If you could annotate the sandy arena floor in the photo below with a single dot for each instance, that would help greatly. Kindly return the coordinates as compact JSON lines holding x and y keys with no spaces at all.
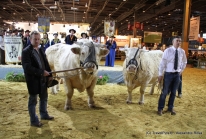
{"x":113,"y":118}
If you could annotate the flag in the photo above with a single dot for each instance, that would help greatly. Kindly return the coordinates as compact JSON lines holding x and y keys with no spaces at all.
{"x":43,"y":24}
{"x":109,"y":28}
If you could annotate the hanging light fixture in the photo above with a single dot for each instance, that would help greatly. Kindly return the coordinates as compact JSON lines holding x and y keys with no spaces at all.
{"x":55,"y":3}
{"x":23,"y":1}
{"x":86,"y":5}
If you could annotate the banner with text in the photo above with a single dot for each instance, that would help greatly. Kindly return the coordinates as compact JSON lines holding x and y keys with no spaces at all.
{"x":194,"y":28}
{"x":43,"y":24}
{"x":109,"y":28}
{"x":152,"y":37}
{"x":13,"y":49}
{"x":122,"y":40}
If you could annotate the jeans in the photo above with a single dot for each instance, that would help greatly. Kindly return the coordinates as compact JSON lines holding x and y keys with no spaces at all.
{"x":179,"y":90}
{"x":171,"y":81}
{"x":42,"y":106}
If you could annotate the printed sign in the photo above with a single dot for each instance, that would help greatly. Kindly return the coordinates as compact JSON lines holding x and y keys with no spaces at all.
{"x":13,"y":49}
{"x":152,"y":37}
{"x":194,"y":28}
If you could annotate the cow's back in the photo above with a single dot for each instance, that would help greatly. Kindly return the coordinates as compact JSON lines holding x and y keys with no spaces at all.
{"x":149,"y":65}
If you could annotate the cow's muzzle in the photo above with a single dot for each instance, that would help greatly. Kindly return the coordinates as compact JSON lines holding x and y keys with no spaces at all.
{"x":90,"y":67}
{"x":131,"y":68}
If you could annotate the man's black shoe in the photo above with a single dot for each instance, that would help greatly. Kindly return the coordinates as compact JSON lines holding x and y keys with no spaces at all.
{"x":48,"y":118}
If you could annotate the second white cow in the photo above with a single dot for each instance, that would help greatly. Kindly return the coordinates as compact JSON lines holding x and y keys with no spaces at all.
{"x":140,"y":68}
{"x":87,"y":55}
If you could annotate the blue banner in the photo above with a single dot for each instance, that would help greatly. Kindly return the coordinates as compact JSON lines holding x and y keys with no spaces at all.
{"x":43,"y":24}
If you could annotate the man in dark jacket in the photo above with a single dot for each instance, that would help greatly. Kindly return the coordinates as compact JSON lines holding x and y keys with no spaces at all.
{"x":36,"y":70}
{"x":26,"y":40}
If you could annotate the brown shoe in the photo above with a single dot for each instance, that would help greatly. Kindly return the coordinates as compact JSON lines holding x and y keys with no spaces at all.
{"x":172,"y":112}
{"x":159,"y":112}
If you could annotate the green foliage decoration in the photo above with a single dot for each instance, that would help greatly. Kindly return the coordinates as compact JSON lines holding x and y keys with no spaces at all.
{"x":15,"y":77}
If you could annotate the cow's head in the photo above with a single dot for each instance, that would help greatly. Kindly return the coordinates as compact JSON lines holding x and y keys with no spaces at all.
{"x":132,"y":58}
{"x":90,"y":55}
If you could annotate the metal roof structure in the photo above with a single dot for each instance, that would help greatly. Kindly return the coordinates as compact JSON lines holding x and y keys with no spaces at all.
{"x":164,"y":16}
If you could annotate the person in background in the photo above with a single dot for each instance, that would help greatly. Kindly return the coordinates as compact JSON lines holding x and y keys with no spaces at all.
{"x":172,"y":65}
{"x":15,"y":32}
{"x":45,"y":43}
{"x":21,"y":33}
{"x":26,"y":40}
{"x":9,"y":33}
{"x":84,"y":36}
{"x":2,"y":40}
{"x":55,"y":40}
{"x":70,"y":39}
{"x":110,"y":58}
{"x":94,"y":39}
{"x":36,"y":71}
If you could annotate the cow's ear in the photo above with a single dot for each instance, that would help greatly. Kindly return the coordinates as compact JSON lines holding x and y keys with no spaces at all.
{"x":75,"y":50}
{"x":104,"y":52}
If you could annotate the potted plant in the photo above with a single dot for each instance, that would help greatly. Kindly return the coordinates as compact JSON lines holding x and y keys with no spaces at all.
{"x":102,"y":79}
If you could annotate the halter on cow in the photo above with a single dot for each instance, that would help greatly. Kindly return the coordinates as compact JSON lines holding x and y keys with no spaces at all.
{"x":133,"y":60}
{"x":91,"y":58}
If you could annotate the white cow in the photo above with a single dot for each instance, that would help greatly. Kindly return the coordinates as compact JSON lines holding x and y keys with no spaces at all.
{"x":140,"y":68}
{"x":63,"y":57}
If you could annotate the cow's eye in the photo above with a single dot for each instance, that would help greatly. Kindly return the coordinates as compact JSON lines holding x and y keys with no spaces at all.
{"x":83,"y":53}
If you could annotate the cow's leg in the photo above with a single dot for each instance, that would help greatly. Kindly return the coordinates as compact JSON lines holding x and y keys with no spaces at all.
{"x":129,"y":98}
{"x":142,"y":90}
{"x":90,"y":92}
{"x":69,"y":92}
{"x":152,"y":89}
{"x":60,"y":80}
{"x":54,"y":89}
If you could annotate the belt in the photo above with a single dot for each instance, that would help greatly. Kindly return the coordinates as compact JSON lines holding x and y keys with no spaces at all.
{"x":172,"y":72}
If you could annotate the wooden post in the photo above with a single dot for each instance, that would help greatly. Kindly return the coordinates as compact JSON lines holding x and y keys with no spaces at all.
{"x":116,"y":30}
{"x":185,"y":26}
{"x":134,"y":29}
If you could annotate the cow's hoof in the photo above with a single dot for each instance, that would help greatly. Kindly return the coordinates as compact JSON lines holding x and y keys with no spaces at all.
{"x":141,"y":103}
{"x":92,"y":106}
{"x":129,"y":102}
{"x":68,"y":108}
